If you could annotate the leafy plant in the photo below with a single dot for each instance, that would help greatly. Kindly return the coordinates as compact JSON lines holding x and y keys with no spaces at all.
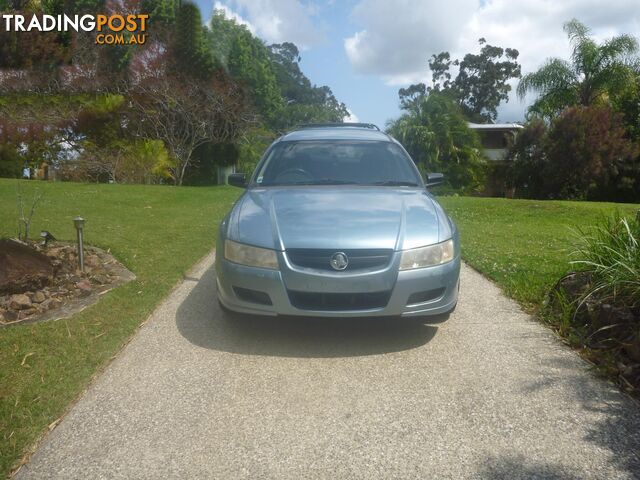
{"x":610,"y":252}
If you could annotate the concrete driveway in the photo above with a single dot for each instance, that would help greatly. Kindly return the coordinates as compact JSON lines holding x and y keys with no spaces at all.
{"x":489,"y":393}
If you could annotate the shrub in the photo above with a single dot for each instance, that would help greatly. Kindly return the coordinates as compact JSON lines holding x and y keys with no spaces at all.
{"x":584,"y":154}
{"x":10,"y":162}
{"x":598,"y":307}
{"x":610,"y":252}
{"x":528,"y":160}
{"x":587,"y":154}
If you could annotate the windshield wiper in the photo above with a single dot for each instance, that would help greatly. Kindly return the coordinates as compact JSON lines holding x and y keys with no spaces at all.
{"x":396,"y":183}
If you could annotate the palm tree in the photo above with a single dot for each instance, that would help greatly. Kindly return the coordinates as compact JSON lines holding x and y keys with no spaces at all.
{"x":595,"y":73}
{"x":436,"y":134}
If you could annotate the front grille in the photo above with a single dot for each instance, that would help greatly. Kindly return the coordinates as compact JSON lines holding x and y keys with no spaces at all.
{"x":359,"y":259}
{"x":338,"y":301}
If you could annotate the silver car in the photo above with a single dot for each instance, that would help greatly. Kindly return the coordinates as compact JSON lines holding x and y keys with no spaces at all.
{"x":337,"y":222}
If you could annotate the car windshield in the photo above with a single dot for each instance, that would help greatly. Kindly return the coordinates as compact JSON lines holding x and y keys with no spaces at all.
{"x":337,"y":163}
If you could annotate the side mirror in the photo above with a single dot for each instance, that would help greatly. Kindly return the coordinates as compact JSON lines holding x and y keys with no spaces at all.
{"x":434,"y":179}
{"x":237,"y":180}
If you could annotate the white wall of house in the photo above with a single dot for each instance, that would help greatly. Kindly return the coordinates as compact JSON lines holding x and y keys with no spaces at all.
{"x":494,"y":138}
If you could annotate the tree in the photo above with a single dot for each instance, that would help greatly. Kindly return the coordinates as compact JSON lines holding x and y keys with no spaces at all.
{"x":305,"y":102}
{"x":191,"y":53}
{"x":527,"y":160}
{"x":583,"y":154}
{"x":437,"y":136}
{"x":10,"y":161}
{"x":589,"y":156}
{"x":628,"y":104}
{"x":186,"y":113}
{"x":481,"y":84}
{"x":246,"y":59}
{"x":411,"y":95}
{"x":596,"y":73}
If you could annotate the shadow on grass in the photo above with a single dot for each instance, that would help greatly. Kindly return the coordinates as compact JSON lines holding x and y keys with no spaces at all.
{"x":201,"y":321}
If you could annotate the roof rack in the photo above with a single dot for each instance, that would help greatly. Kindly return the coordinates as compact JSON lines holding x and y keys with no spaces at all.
{"x":370,"y":126}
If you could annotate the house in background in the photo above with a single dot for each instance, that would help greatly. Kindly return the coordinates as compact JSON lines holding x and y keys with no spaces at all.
{"x":224,"y":171}
{"x":496,"y":138}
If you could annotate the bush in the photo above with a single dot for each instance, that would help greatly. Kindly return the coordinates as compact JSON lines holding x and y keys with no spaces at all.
{"x":584,"y":154}
{"x":588,"y":153}
{"x":611,"y":255}
{"x":598,"y":307}
{"x":528,"y":160}
{"x":10,"y":162}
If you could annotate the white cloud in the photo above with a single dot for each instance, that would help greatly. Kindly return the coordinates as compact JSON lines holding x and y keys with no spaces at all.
{"x":396,"y":39}
{"x":351,"y":117}
{"x":278,"y":20}
{"x":399,"y":36}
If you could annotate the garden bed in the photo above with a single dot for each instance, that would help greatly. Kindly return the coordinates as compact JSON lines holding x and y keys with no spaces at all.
{"x":39,"y":283}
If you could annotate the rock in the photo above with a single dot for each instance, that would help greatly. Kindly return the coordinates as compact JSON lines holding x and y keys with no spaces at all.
{"x":38,"y":297}
{"x":19,"y":301}
{"x":92,"y":261}
{"x":574,"y":284}
{"x":85,"y":288}
{"x":100,"y":279}
{"x":8,"y":316}
{"x":54,"y":252}
{"x":633,"y":348}
{"x":50,"y":304}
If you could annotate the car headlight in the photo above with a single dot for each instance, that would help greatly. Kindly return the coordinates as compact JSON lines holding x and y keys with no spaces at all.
{"x":427,"y":256}
{"x":251,"y":256}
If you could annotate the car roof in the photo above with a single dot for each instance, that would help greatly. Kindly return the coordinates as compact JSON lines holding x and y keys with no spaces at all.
{"x":343,"y":132}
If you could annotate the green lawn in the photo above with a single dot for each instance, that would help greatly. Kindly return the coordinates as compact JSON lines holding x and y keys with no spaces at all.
{"x":523,"y":245}
{"x":158,"y":232}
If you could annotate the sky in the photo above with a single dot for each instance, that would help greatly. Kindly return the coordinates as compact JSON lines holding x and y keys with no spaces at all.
{"x":365,"y":50}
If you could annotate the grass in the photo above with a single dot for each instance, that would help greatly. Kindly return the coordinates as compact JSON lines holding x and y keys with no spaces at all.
{"x":158,"y":232}
{"x":524,"y":245}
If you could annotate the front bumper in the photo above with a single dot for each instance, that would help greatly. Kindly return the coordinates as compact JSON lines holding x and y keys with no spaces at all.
{"x":278,"y":285}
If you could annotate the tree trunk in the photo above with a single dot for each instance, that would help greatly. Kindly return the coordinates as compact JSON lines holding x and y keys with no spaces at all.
{"x":183,"y":168}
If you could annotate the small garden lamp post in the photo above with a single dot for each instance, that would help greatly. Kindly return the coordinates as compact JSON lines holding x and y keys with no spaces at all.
{"x":79,"y":224}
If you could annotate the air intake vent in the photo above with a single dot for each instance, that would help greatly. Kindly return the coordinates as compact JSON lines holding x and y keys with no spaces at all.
{"x":253,"y":296}
{"x":338,"y":301}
